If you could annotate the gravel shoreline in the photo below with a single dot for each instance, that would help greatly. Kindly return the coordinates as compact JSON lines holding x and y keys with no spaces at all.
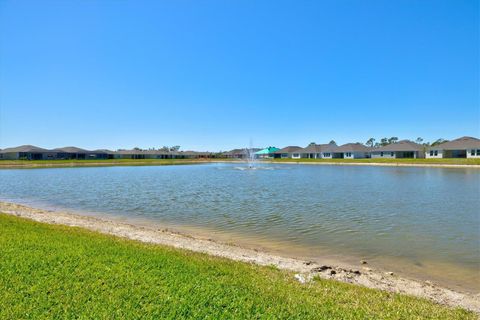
{"x":306,"y":270}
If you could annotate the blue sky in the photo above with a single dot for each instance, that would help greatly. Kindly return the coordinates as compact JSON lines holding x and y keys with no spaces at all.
{"x":211,"y":75}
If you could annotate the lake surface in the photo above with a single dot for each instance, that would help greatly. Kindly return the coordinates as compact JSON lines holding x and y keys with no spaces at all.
{"x":423,"y":222}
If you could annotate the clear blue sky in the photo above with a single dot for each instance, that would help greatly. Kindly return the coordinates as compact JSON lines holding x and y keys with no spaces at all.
{"x":211,"y":75}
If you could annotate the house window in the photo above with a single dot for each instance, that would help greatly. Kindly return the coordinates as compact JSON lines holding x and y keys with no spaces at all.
{"x":348,"y":154}
{"x":478,"y":152}
{"x":392,"y":154}
{"x":326,"y":155}
{"x":431,"y":153}
{"x":436,"y":152}
{"x":472,"y":152}
{"x":381,"y":154}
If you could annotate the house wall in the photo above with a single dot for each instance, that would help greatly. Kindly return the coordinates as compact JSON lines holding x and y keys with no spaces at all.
{"x":354,"y":155}
{"x":473,"y":153}
{"x":10,"y":156}
{"x":385,"y":154}
{"x":308,"y":155}
{"x":436,"y":154}
{"x":49,"y":155}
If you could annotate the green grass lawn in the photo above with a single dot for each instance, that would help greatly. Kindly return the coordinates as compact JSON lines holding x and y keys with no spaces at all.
{"x":49,"y":271}
{"x":96,"y":163}
{"x":159,"y":162}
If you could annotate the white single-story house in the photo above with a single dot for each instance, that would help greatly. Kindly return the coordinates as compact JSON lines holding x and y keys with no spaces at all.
{"x":353,"y":151}
{"x":329,"y":151}
{"x":399,"y":150}
{"x":286,"y":152}
{"x":315,"y":151}
{"x":464,"y":147}
{"x":312,"y":151}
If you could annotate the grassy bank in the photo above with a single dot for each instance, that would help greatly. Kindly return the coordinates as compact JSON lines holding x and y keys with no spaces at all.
{"x":49,"y":271}
{"x":95,"y":163}
{"x":161,"y":162}
{"x":457,"y":161}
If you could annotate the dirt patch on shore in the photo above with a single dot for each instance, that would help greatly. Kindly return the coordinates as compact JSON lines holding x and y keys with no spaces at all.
{"x":306,"y":270}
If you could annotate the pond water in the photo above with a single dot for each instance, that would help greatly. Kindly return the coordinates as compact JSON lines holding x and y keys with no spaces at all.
{"x":423,"y":222}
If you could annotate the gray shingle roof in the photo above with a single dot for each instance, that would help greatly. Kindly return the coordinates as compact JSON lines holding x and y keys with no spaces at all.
{"x":317,"y":148}
{"x":288,"y":149}
{"x":403,"y":145}
{"x":353,"y":147}
{"x":25,"y":148}
{"x":458,"y":144}
{"x":71,"y":150}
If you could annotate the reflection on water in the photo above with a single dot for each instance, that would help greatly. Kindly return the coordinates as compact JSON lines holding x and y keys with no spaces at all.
{"x":421,"y":216}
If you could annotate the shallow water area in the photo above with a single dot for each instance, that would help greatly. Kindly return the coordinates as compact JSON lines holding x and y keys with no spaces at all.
{"x":421,"y":222}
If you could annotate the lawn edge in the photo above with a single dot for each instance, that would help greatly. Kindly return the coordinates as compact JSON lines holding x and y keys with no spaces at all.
{"x":375,"y":279}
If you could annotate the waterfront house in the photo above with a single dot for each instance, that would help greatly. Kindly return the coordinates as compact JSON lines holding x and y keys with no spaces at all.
{"x":399,"y":150}
{"x":286,"y":152}
{"x":236,"y":154}
{"x":353,"y":151}
{"x":70,"y":153}
{"x":312,"y":151}
{"x":266,"y":153}
{"x":27,"y":152}
{"x":330,"y":151}
{"x":315,"y":151}
{"x":143,"y":154}
{"x":464,"y":147}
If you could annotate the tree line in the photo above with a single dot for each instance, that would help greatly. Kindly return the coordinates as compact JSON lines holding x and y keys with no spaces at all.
{"x":164,"y":148}
{"x":386,"y":141}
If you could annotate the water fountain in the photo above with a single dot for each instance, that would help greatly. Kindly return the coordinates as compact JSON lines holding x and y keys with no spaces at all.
{"x":250,"y":157}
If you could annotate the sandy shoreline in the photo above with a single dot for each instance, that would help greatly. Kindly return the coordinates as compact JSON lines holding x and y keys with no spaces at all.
{"x":365,"y":276}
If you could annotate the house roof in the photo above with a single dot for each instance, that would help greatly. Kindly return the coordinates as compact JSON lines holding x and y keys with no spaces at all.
{"x":132,"y":152}
{"x":458,"y":144}
{"x":194,"y":153}
{"x":317,"y":148}
{"x":353,"y":147}
{"x":267,"y":150}
{"x":289,"y":149}
{"x":103,"y":151}
{"x":25,"y":148}
{"x":71,"y":150}
{"x":403,"y":145}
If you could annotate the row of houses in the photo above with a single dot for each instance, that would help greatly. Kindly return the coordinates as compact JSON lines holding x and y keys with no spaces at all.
{"x":28,"y":152}
{"x":464,"y":147}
